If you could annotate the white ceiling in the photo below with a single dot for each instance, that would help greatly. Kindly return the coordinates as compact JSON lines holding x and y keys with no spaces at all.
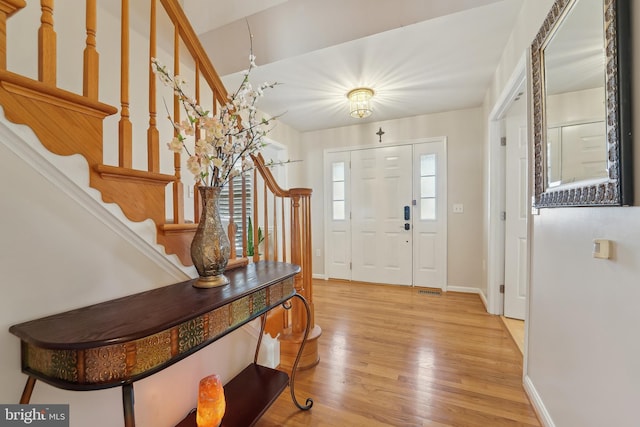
{"x":575,"y":57}
{"x":420,"y":56}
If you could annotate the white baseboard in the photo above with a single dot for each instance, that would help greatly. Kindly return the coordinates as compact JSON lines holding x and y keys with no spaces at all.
{"x":319,"y":276}
{"x":464,"y":289}
{"x":538,"y":405}
{"x":484,"y":300}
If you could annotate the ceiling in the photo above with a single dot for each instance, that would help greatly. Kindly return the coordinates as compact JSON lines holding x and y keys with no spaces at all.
{"x":574,"y":58}
{"x":419,"y":56}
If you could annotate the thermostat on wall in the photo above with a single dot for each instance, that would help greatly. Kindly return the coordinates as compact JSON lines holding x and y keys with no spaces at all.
{"x":601,"y":248}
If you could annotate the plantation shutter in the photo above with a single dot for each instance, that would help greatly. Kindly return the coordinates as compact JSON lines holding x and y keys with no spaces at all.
{"x":237,"y":209}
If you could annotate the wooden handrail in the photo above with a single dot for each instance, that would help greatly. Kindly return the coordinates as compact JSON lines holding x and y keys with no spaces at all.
{"x":195,"y":48}
{"x":266,"y":174}
{"x":70,"y":123}
{"x":290,"y":326}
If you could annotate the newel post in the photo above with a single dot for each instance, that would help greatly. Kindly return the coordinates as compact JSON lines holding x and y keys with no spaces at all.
{"x":298,"y":321}
{"x":291,"y":339}
{"x":301,"y":249}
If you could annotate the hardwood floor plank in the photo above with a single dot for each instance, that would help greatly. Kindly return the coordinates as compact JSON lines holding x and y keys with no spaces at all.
{"x":391,"y":356}
{"x":516,"y":329}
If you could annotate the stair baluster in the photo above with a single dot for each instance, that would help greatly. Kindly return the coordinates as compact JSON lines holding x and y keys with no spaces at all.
{"x":69,"y":123}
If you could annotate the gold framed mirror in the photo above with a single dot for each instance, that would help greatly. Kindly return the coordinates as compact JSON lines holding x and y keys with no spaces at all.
{"x":581,"y":104}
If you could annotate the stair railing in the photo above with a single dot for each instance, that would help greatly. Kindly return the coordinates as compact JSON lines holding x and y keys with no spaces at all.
{"x":285,"y":217}
{"x":70,"y":123}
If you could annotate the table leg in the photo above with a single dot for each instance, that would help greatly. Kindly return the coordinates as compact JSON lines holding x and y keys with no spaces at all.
{"x":263,"y":322}
{"x":127,"y":405}
{"x":309,"y":402}
{"x":28,"y":389}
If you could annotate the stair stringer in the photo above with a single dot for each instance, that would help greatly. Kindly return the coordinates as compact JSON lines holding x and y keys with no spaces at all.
{"x":71,"y":175}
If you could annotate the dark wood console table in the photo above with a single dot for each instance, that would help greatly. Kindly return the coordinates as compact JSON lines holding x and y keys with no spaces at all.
{"x":118,"y":342}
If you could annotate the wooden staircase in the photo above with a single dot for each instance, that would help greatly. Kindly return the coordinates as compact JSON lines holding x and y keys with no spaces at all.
{"x":69,"y":123}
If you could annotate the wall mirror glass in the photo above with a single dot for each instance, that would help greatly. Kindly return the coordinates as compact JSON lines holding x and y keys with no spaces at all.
{"x":582,"y":105}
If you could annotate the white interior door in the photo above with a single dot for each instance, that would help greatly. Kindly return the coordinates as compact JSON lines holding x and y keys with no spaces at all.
{"x":430,"y":215}
{"x":381,"y":246}
{"x":516,"y":257}
{"x":338,"y":208}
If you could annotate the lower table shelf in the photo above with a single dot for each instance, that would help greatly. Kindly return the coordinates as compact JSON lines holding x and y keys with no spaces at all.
{"x":248,"y":396}
{"x":121,"y":341}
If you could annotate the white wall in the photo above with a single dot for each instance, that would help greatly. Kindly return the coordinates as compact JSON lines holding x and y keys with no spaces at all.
{"x":57,"y":255}
{"x":583,"y":316}
{"x":528,"y":22}
{"x":464,"y":142}
{"x":575,"y":107}
{"x":464,"y":133}
{"x":582,"y":347}
{"x":70,"y":29}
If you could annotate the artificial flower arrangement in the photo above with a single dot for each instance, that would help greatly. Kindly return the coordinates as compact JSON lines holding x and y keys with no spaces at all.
{"x":228,"y":138}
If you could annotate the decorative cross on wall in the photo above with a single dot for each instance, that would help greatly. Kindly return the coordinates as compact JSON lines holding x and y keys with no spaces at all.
{"x":380,"y":133}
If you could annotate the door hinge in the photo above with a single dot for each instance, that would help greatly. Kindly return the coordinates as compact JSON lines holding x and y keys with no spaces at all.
{"x":350,"y":266}
{"x":502,"y":289}
{"x":503,"y":216}
{"x":503,"y":141}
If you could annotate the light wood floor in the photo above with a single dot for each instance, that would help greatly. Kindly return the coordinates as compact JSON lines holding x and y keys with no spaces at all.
{"x":516,"y":329}
{"x":392,"y":356}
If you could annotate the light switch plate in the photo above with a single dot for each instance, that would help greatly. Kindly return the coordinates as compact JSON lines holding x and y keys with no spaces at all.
{"x":458,"y":208}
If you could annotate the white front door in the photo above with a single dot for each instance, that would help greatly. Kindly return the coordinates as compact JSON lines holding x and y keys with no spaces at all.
{"x":386,"y":211}
{"x":516,"y":257}
{"x":381,"y":245}
{"x":430,"y":215}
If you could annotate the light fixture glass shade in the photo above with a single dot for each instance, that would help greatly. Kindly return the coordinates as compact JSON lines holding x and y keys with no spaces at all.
{"x":359,"y":102}
{"x":211,"y":403}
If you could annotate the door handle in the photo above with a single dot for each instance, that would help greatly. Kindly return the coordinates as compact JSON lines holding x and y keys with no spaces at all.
{"x":407,"y":226}
{"x":407,"y":214}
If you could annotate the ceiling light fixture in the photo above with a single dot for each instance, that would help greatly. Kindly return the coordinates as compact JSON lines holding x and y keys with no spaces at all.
{"x":359,"y":102}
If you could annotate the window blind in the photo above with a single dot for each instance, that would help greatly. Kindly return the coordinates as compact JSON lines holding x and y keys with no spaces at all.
{"x":237,"y":208}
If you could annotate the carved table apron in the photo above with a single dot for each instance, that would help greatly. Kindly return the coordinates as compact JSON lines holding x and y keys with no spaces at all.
{"x":118,"y":342}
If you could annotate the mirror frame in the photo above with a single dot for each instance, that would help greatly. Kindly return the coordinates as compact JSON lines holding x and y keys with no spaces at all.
{"x":617,"y":189}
